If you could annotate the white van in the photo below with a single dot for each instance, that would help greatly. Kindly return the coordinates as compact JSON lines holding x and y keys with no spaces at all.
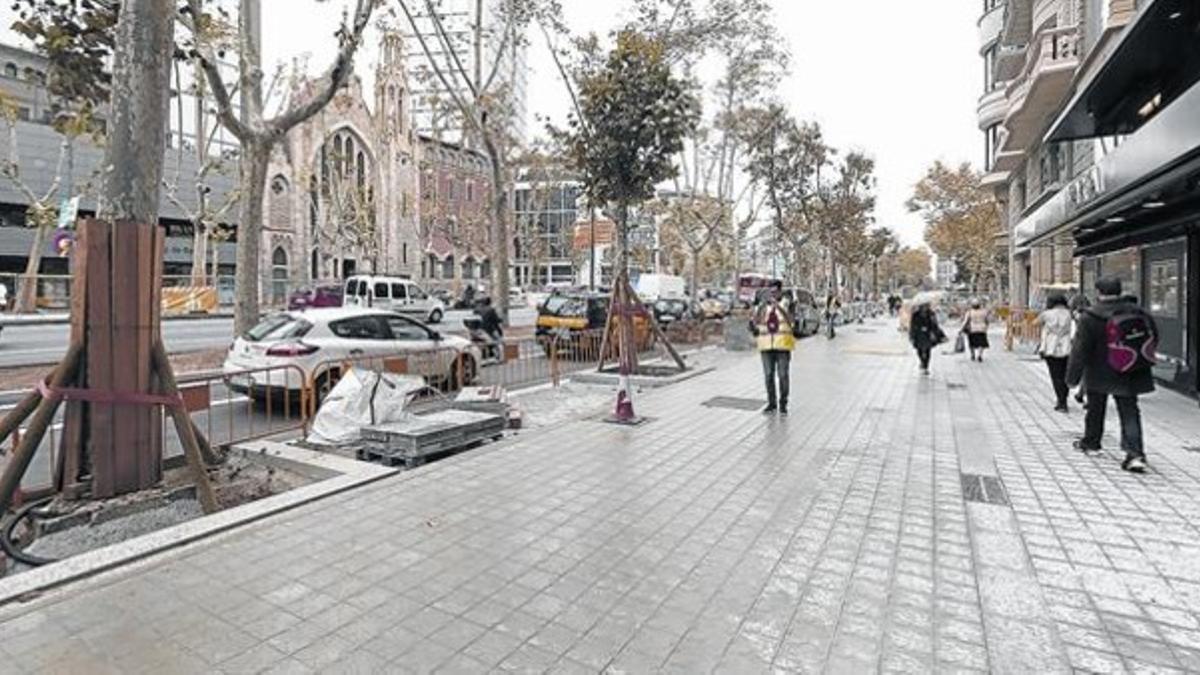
{"x":393,"y":293}
{"x":652,"y":287}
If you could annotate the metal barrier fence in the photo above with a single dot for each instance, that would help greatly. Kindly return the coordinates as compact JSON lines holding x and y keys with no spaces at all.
{"x":1021,"y":329}
{"x":226,"y":408}
{"x":233,"y":407}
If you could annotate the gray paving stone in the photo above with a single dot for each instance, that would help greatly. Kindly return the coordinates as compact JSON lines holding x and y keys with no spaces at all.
{"x":836,"y":541}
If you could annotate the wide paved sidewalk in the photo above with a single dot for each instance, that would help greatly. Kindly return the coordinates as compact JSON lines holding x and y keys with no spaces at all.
{"x":709,"y":539}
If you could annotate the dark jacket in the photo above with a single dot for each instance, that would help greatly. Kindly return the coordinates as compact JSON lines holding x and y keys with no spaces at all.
{"x":1089,"y":355}
{"x":489,"y":321}
{"x":923,"y":330}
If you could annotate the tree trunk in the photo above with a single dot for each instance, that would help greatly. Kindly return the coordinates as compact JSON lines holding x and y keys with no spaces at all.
{"x":216,"y":267}
{"x":120,"y":321}
{"x":26,"y":300}
{"x":199,"y":253}
{"x":499,"y":227}
{"x":249,"y":234}
{"x":695,"y":276}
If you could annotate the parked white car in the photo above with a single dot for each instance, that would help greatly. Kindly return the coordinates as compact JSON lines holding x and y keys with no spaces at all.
{"x":307,"y":339}
{"x":393,"y":293}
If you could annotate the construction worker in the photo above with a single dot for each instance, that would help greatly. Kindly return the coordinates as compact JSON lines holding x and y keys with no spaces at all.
{"x":775,"y":331}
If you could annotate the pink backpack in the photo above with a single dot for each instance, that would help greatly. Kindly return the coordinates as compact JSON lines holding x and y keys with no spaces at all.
{"x":1131,"y":341}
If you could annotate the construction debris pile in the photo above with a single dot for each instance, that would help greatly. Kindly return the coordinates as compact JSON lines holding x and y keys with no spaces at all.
{"x":397,"y":419}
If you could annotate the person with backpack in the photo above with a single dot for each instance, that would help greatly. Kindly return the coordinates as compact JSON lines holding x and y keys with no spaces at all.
{"x":775,"y":331}
{"x":1113,"y":352}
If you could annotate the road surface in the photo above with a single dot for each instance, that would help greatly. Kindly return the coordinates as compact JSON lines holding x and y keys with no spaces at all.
{"x":46,"y":344}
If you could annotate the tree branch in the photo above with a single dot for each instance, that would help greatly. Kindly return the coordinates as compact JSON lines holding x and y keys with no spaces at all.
{"x":333,"y":79}
{"x":508,"y":36}
{"x":444,"y":39}
{"x":468,"y":111}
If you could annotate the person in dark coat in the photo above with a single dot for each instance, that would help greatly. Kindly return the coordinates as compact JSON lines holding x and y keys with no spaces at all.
{"x":1089,"y":363}
{"x":924,"y":333}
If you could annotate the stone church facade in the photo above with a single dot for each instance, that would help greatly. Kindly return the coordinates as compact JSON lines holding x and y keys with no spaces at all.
{"x":342,"y":187}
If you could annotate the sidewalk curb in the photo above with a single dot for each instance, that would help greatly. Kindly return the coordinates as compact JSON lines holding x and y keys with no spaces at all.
{"x":345,"y":475}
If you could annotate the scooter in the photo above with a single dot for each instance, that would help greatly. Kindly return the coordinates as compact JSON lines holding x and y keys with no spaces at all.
{"x":490,"y":349}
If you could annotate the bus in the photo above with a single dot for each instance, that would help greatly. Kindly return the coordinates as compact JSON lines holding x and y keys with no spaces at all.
{"x":750,"y":284}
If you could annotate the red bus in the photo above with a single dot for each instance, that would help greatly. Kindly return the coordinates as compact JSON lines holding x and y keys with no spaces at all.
{"x":749,"y":285}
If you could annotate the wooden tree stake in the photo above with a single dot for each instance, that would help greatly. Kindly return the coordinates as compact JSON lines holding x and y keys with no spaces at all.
{"x":15,"y":470}
{"x":186,"y":430}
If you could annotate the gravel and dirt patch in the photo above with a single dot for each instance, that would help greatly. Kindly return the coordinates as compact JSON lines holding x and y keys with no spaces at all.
{"x":66,"y":528}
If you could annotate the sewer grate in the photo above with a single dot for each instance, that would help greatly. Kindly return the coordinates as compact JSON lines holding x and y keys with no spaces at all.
{"x":983,"y":489}
{"x":1192,"y":448}
{"x":955,"y":386}
{"x":734,"y":403}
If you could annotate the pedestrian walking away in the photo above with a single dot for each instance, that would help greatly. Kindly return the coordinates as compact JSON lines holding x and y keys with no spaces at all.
{"x":833,"y":309}
{"x":1113,"y":354}
{"x":976,"y":327}
{"x":1055,"y":347}
{"x":774,"y":328}
{"x":925,"y":333}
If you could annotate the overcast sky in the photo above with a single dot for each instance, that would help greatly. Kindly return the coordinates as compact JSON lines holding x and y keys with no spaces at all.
{"x":897,"y":79}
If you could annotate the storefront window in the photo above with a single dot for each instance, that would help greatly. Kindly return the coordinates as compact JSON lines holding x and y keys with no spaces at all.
{"x":1090,"y":272}
{"x":1123,"y":265}
{"x":1164,"y":288}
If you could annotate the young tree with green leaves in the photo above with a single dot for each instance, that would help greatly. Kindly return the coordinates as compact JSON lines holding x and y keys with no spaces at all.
{"x":633,"y":116}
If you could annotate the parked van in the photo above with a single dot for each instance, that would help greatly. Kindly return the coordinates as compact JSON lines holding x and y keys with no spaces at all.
{"x":651,"y":287}
{"x":395,"y":294}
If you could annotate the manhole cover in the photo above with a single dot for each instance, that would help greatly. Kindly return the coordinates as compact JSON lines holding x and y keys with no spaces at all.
{"x":734,"y":403}
{"x":983,"y":489}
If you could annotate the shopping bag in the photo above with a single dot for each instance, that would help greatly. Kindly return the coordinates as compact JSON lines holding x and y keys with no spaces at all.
{"x":960,"y":343}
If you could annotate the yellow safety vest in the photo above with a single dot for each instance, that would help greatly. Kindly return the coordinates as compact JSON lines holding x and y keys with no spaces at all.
{"x":782,"y":339}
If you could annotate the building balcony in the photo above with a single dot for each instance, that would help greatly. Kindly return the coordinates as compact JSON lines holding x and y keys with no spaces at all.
{"x":994,"y":179}
{"x":1008,"y":161}
{"x":990,"y":26}
{"x":993,"y":105}
{"x":1046,"y":13}
{"x":1038,"y":93}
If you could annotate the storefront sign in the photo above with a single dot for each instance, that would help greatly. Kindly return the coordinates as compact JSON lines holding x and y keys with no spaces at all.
{"x":1085,"y":188}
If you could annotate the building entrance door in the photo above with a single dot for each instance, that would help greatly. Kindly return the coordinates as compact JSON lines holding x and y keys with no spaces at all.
{"x":1164,"y":276}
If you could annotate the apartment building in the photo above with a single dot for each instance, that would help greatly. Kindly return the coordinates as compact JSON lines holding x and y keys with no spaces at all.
{"x":1096,"y":153}
{"x":434,"y":111}
{"x":546,"y":207}
{"x":455,"y":214}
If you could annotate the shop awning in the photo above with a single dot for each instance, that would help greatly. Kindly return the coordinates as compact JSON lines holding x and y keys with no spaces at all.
{"x":1155,"y":60}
